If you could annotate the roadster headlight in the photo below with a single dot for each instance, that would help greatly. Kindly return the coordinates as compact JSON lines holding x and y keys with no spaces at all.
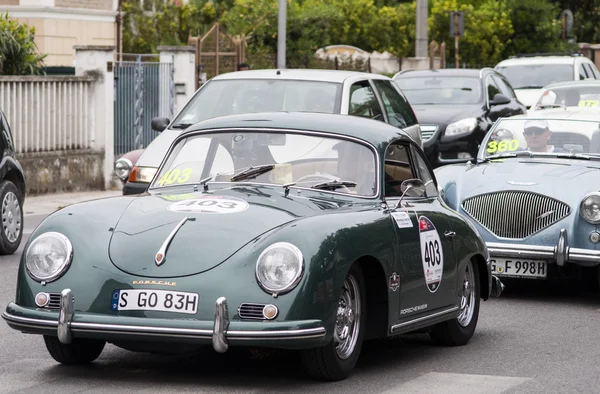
{"x":279,"y":268}
{"x":463,"y":126}
{"x":48,"y":256}
{"x":590,"y":208}
{"x":122,"y":168}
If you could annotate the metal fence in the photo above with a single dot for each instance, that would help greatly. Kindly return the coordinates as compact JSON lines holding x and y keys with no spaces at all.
{"x":49,"y":113}
{"x":143,"y":90}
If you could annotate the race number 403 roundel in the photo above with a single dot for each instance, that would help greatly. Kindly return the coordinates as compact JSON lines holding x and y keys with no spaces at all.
{"x":210,"y":204}
{"x":432,"y":254}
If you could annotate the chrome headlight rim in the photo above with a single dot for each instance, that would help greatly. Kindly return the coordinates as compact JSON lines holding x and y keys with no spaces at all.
{"x":294,"y":282}
{"x":127,"y":163}
{"x":582,"y":209}
{"x":68,"y":260}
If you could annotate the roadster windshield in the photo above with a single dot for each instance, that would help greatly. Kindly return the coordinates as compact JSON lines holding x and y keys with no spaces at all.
{"x":570,"y":96}
{"x":553,"y":137}
{"x":312,"y":161}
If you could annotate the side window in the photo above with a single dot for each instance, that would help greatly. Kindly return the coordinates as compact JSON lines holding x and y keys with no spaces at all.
{"x":594,"y":71}
{"x":424,"y":173}
{"x":399,"y":111}
{"x":363,"y":101}
{"x":397,"y":168}
{"x":504,"y":88}
{"x":492,"y":89}
{"x":582,"y":74}
{"x":589,"y":70}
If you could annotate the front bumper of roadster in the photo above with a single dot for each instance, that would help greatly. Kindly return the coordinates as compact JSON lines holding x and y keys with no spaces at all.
{"x":221,"y":332}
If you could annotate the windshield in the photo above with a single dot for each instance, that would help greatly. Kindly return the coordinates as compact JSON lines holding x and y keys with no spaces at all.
{"x":536,"y":76}
{"x":441,"y":89}
{"x":238,"y":96}
{"x":542,"y":136}
{"x":276,"y":158}
{"x":570,"y":96}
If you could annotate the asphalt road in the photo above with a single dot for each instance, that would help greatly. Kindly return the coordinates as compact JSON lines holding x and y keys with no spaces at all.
{"x":531,"y":340}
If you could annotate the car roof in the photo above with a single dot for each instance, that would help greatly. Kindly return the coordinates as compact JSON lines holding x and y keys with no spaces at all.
{"x":372,"y":131}
{"x":520,"y":61}
{"x":337,"y":76}
{"x":447,"y":72}
{"x":574,"y":83}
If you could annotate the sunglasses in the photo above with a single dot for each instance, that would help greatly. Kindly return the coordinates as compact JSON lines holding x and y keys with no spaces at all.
{"x":534,"y":130}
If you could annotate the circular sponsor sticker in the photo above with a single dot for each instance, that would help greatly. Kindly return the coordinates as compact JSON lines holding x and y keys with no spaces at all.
{"x":210,"y":204}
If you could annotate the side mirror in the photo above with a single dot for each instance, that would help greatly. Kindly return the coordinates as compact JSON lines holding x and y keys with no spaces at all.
{"x":499,"y":99}
{"x":159,"y":124}
{"x":411,"y":188}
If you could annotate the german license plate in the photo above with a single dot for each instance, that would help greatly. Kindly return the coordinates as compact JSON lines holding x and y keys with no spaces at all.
{"x":154,"y":300}
{"x":519,"y":268}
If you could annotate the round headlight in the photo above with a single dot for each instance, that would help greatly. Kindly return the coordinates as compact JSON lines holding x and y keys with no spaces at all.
{"x":279,"y":268}
{"x":122,"y":168}
{"x":590,"y":208}
{"x":48,"y":256}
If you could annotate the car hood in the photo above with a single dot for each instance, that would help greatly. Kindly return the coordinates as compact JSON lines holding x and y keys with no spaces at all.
{"x":528,"y":96}
{"x":444,"y":114}
{"x":557,"y":178}
{"x":219,"y":224}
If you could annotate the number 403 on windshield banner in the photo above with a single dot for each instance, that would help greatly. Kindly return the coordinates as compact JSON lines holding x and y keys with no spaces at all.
{"x":432,"y":255}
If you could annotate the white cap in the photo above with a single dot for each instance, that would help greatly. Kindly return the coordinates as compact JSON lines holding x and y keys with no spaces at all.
{"x":537,"y":123}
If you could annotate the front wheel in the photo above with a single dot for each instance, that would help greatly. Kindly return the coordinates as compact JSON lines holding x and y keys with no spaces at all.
{"x":458,"y":331}
{"x":80,"y":351}
{"x":12,"y":218}
{"x":336,"y":360}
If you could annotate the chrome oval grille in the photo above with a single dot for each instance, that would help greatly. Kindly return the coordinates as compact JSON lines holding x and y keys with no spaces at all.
{"x":251,"y":311}
{"x":515,"y":214}
{"x":427,"y":131}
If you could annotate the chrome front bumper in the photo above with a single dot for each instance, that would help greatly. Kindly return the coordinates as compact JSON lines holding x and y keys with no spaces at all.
{"x":220,"y":335}
{"x":561,"y":253}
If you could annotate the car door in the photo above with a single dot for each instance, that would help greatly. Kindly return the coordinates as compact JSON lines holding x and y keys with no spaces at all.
{"x":424,"y":252}
{"x":398,"y":111}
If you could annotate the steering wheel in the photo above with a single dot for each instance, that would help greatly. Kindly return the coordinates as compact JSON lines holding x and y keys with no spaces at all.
{"x":316,"y":177}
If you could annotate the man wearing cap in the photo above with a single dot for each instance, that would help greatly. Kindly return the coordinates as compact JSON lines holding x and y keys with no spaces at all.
{"x":537,"y":133}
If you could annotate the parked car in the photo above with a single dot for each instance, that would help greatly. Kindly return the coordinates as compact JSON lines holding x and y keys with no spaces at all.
{"x":456,"y":107}
{"x":533,"y":195}
{"x":529,"y":73}
{"x":12,"y":191}
{"x":569,"y":94}
{"x":366,"y":95}
{"x":262,"y":230}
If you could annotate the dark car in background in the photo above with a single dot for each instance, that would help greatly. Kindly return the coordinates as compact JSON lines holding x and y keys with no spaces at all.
{"x":366,"y":95}
{"x":12,"y":191}
{"x":456,"y":107}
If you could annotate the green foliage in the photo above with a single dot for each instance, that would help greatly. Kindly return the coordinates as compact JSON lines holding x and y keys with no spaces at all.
{"x":144,"y":31}
{"x":18,"y":52}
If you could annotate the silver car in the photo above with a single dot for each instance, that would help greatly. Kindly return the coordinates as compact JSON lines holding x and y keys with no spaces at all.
{"x":361,"y":94}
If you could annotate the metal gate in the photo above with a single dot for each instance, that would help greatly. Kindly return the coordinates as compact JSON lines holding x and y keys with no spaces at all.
{"x":143,"y":90}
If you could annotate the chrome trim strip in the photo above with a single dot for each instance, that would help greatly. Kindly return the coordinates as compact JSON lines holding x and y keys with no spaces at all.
{"x":290,"y":131}
{"x":161,"y":255}
{"x":65,"y":317}
{"x":219,"y":338}
{"x":424,"y":318}
{"x":280,"y":334}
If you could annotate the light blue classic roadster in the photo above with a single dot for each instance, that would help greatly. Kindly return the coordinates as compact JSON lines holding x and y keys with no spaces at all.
{"x":534,"y":194}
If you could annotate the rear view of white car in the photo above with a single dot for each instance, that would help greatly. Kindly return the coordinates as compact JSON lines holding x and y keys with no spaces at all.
{"x":528,"y":74}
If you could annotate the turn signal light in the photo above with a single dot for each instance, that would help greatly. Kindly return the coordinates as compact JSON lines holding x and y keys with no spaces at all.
{"x":270,"y":311}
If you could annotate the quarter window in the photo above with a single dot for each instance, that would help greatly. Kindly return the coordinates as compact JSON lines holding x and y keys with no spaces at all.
{"x":397,"y":169}
{"x":424,"y":173}
{"x":363,"y":101}
{"x":492,"y":89}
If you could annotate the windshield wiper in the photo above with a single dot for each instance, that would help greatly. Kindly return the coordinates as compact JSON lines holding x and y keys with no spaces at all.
{"x":333,"y":185}
{"x":252,"y":172}
{"x":182,"y":125}
{"x":505,"y":155}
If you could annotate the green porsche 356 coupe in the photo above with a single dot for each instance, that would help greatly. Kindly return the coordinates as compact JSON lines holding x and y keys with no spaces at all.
{"x":311,"y":232}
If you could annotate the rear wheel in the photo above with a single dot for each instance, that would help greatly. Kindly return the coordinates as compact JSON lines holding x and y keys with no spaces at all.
{"x":336,"y":360}
{"x":80,"y":351}
{"x":458,"y":331}
{"x":11,"y":214}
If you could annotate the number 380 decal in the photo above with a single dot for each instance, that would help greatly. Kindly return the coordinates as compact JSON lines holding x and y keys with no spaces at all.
{"x":432,"y":254}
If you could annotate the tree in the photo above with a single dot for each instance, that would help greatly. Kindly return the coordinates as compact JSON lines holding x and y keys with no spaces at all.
{"x":18,"y":52}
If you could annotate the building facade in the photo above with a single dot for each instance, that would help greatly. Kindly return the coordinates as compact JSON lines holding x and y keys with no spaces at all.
{"x":62,"y":24}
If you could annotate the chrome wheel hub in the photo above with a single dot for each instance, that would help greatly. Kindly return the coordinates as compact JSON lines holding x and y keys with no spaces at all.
{"x":467,"y":299}
{"x":347,"y":324}
{"x":11,"y":217}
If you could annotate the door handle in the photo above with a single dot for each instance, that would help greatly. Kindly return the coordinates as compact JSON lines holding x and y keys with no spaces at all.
{"x":449,"y":234}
